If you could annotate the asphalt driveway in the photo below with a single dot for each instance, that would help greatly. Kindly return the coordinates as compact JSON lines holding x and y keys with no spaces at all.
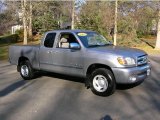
{"x":57,"y":97}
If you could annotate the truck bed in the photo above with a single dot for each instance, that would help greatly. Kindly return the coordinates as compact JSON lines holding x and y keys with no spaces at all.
{"x":29,"y":51}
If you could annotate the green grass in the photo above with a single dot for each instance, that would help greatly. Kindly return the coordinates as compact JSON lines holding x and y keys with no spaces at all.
{"x":7,"y":40}
{"x":148,"y":45}
{"x":4,"y":52}
{"x":149,"y":50}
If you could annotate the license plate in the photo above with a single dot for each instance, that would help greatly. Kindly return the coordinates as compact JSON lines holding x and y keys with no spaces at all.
{"x":148,"y":72}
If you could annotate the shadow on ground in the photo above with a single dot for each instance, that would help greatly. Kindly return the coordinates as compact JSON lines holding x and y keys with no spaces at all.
{"x":107,"y":117}
{"x":127,"y":86}
{"x":82,"y":80}
{"x":12,"y":87}
{"x":60,"y":76}
{"x":149,"y":44}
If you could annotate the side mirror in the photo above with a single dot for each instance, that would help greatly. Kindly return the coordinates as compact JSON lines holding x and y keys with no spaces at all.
{"x":75,"y":46}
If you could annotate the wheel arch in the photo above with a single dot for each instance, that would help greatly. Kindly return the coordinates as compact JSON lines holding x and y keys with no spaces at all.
{"x":21,"y":59}
{"x":112,"y":82}
{"x":94,"y":66}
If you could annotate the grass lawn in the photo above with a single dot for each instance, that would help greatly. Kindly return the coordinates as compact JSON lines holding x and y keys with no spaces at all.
{"x":6,"y":41}
{"x":149,"y":50}
{"x":148,"y":45}
{"x":4,"y":52}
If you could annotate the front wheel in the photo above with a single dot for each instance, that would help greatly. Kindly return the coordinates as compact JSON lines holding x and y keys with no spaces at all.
{"x":26,"y":70}
{"x":102,"y":82}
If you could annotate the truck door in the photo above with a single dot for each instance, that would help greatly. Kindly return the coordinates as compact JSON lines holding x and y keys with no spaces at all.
{"x":46,"y":52}
{"x":67,"y":61}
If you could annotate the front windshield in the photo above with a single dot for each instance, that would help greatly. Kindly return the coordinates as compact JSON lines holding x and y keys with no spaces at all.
{"x":92,"y":39}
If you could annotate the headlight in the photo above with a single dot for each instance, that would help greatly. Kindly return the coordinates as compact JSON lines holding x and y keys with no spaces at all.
{"x":126,"y":61}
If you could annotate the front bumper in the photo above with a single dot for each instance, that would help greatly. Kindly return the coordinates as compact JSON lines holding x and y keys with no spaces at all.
{"x":131,"y":75}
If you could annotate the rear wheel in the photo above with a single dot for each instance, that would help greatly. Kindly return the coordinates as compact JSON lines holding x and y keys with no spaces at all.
{"x":102,"y":82}
{"x":26,"y":70}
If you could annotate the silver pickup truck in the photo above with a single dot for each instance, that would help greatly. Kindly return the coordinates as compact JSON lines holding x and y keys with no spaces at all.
{"x":85,"y":54}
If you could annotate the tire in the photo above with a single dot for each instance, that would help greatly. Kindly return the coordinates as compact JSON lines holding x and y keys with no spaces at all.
{"x":26,"y":71}
{"x":102,"y":82}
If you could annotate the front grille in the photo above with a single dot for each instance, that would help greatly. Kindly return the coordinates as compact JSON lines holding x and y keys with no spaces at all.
{"x":142,"y":60}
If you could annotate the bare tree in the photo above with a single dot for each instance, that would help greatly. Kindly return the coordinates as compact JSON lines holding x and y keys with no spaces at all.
{"x":73,"y":14}
{"x":30,"y":20}
{"x":115,"y":23}
{"x":158,"y":32}
{"x":24,"y":5}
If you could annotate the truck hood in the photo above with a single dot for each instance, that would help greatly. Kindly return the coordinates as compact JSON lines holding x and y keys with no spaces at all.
{"x":117,"y":50}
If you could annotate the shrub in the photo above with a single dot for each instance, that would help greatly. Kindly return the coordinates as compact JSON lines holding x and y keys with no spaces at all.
{"x":20,"y":34}
{"x":9,"y":39}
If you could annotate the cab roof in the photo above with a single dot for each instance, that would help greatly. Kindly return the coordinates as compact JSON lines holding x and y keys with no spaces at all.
{"x":74,"y":31}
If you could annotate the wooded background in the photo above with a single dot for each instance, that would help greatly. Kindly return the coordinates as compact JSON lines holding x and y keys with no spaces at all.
{"x":135,"y":19}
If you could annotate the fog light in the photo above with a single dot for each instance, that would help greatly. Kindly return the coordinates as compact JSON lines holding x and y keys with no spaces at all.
{"x":132,"y":78}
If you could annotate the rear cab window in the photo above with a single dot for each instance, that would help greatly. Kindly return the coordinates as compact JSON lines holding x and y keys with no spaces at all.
{"x":49,"y":40}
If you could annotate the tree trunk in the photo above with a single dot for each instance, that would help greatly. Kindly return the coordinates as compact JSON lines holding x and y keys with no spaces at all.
{"x":115,"y":23}
{"x":158,"y":32}
{"x":23,"y":5}
{"x":73,"y":12}
{"x":30,"y":20}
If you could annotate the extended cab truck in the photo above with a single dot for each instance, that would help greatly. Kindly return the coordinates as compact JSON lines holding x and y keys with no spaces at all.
{"x":85,"y":54}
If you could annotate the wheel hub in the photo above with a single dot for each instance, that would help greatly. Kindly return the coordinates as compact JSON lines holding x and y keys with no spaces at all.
{"x":24,"y":70}
{"x":100,"y":83}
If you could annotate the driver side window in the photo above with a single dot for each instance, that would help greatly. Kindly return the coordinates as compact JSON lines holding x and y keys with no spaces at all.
{"x":65,"y":40}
